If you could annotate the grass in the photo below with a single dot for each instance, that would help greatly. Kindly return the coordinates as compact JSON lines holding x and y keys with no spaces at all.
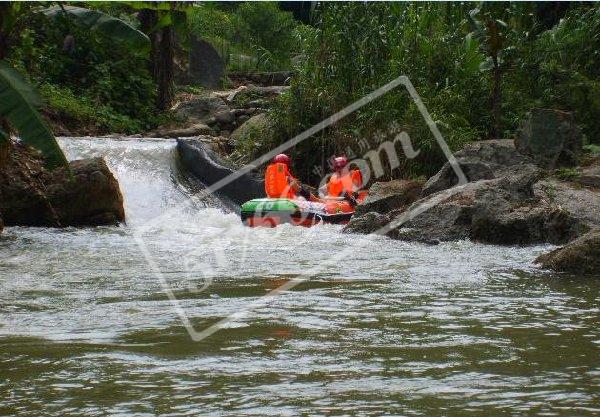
{"x":567,"y":174}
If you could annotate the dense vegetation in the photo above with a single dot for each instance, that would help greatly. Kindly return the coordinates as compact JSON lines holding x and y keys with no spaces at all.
{"x":478,"y":68}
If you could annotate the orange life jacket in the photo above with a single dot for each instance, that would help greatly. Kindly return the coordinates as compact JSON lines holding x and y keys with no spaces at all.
{"x":276,"y":181}
{"x":349,"y":181}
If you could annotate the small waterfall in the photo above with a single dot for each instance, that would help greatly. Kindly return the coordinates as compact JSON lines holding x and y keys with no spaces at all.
{"x":147,"y":171}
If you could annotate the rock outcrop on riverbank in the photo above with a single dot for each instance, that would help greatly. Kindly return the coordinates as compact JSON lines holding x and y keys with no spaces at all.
{"x":32,"y":196}
{"x":581,"y":256}
{"x":508,"y":199}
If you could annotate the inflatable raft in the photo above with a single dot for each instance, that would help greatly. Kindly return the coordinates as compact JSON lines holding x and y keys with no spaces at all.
{"x":271,"y":212}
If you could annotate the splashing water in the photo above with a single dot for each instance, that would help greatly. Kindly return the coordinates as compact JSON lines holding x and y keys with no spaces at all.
{"x":396,"y":328}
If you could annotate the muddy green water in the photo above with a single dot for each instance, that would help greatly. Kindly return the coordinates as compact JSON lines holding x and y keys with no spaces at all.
{"x":395,"y":329}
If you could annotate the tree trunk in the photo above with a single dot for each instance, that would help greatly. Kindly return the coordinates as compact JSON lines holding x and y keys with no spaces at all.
{"x":148,"y":19}
{"x":166,"y":90}
{"x":496,"y":99}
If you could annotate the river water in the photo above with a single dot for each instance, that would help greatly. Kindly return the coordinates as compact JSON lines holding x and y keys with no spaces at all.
{"x":393,"y":328}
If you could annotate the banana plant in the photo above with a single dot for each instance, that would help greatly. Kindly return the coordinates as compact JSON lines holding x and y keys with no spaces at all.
{"x":18,"y":102}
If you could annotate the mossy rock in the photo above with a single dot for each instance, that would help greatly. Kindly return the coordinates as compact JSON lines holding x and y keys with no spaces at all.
{"x":581,"y":256}
{"x":254,"y":134}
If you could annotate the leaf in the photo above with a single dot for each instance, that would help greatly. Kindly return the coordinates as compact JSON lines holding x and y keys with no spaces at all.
{"x":18,"y":107}
{"x":109,"y":26}
{"x":486,"y":65}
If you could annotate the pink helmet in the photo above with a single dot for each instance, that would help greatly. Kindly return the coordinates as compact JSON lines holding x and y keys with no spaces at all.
{"x":339,"y":162}
{"x":282,"y":159}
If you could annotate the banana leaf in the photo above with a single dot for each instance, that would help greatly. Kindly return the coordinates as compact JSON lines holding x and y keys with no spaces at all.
{"x":111,"y":27}
{"x":17,"y":104}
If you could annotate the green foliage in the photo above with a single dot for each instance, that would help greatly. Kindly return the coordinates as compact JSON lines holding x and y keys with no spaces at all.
{"x":94,"y":20}
{"x":17,"y":105}
{"x":86,"y":73}
{"x":594,"y":150}
{"x":248,"y":35}
{"x":567,"y":174}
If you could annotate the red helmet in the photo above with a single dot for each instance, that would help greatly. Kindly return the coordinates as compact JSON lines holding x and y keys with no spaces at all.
{"x":282,"y":158}
{"x":339,"y":162}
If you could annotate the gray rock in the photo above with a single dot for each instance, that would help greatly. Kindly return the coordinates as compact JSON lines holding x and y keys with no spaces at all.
{"x":501,"y":211}
{"x":590,"y":174}
{"x":479,"y":160}
{"x":258,"y":127}
{"x":366,"y":223}
{"x":581,"y":256}
{"x":391,"y":195}
{"x":208,"y":167}
{"x":583,"y":203}
{"x":551,"y":138}
{"x":206,"y":66}
{"x":201,"y":109}
{"x":193,"y":130}
{"x":224,"y":116}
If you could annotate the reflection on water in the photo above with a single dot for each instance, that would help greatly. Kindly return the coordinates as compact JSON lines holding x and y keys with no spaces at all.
{"x":398,"y":328}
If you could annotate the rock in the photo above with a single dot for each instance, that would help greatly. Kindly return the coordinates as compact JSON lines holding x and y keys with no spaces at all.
{"x":225,"y":133}
{"x":501,"y":211}
{"x":224,"y":117}
{"x":193,"y":130}
{"x":257,"y":128}
{"x":23,"y":199}
{"x":1,"y":225}
{"x":209,"y":168}
{"x":583,"y":203}
{"x":391,"y":195}
{"x":201,"y":109}
{"x":581,"y":256}
{"x":206,"y":66}
{"x":93,"y":198}
{"x":479,"y":160}
{"x":32,"y":196}
{"x":551,"y":137}
{"x":366,"y":223}
{"x":590,"y":174}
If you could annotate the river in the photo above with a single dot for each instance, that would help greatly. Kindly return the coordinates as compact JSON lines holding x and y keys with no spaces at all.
{"x":395,"y":328}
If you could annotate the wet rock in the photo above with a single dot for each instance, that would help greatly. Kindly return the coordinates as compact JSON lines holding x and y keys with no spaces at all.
{"x":1,"y":225}
{"x":207,"y":166}
{"x":581,"y":256}
{"x":479,"y":160}
{"x":206,"y":66}
{"x":92,"y":198}
{"x":32,"y":196}
{"x":23,"y":199}
{"x":391,"y":195}
{"x":366,"y":223}
{"x":551,"y":138}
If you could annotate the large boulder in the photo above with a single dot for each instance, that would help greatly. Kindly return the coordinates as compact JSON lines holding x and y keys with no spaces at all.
{"x":32,"y":196}
{"x":195,"y":129}
{"x":501,"y":211}
{"x":551,"y":138}
{"x":590,"y":174}
{"x":581,"y":256}
{"x":391,"y":195}
{"x":200,"y":109}
{"x":480,"y":160}
{"x":209,"y":168}
{"x":206,"y":66}
{"x":366,"y":223}
{"x":582,"y":202}
{"x":257,"y":129}
{"x":90,"y":198}
{"x":23,"y":199}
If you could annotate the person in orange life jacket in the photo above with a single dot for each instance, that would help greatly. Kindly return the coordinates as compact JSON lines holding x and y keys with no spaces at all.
{"x":280,"y":183}
{"x":344,"y":182}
